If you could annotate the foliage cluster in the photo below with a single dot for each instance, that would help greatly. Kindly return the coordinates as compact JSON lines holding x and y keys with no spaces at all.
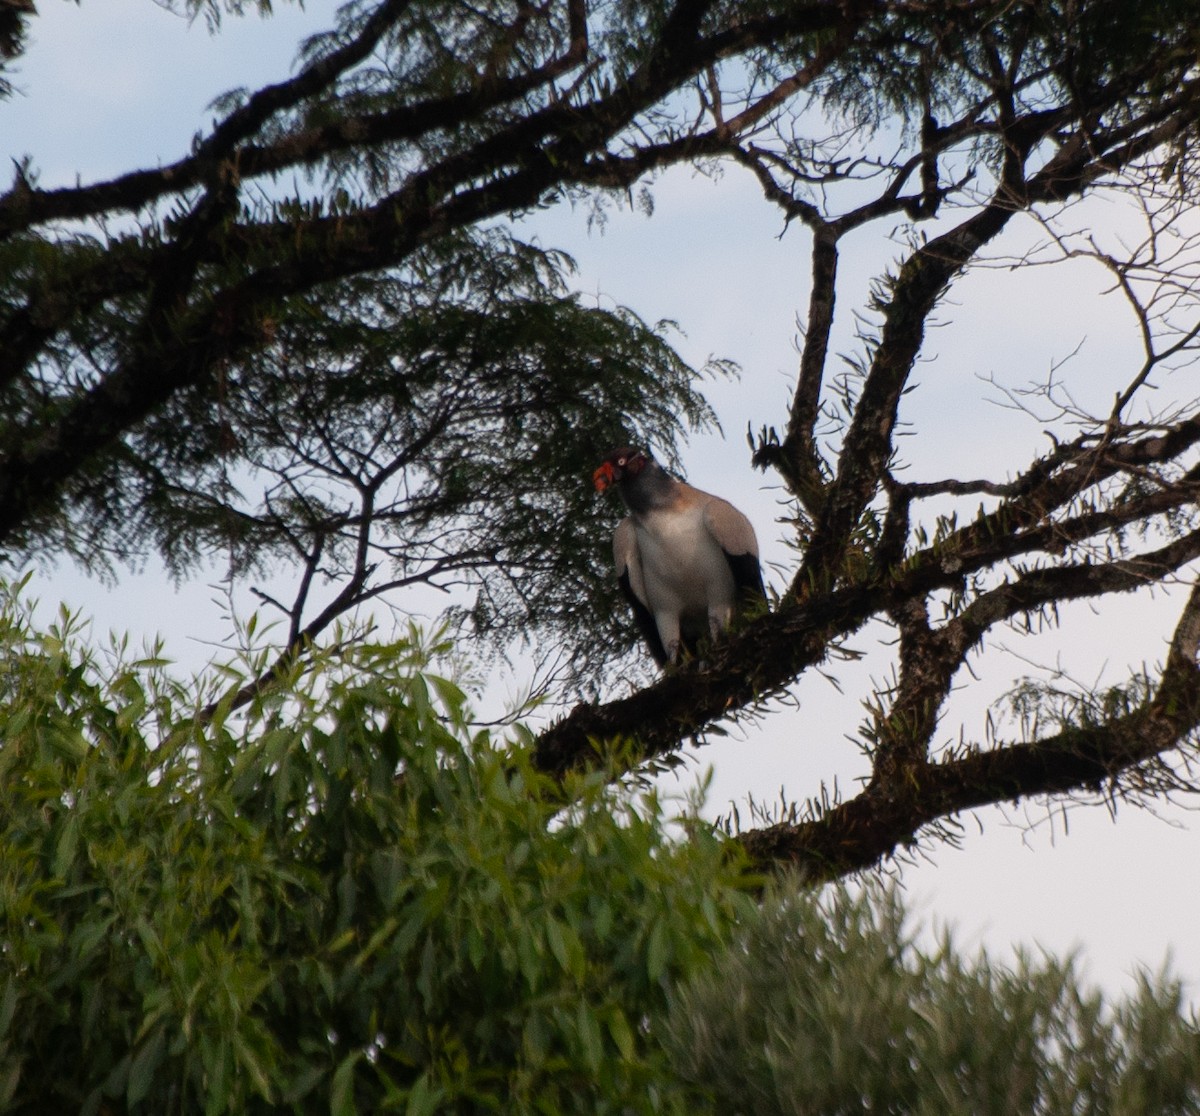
{"x":834,"y":1004}
{"x":348,"y":901}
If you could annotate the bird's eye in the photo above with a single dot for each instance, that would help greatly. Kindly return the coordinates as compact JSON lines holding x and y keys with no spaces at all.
{"x":621,"y":461}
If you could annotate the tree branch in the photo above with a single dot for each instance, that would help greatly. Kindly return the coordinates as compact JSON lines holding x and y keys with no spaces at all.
{"x":872,"y":826}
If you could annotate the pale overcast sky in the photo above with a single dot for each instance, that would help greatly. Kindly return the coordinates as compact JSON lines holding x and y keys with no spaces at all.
{"x":107,"y":87}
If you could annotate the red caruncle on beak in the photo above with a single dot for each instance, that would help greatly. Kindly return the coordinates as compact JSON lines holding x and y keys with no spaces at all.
{"x":603,"y":477}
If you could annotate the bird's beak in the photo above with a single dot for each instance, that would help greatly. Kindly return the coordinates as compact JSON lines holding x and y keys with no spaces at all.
{"x":603,"y":477}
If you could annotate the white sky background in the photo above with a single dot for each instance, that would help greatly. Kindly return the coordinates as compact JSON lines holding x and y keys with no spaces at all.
{"x":113,"y":86}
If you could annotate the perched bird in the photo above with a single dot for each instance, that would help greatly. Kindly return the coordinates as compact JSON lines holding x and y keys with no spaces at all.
{"x":685,"y":560}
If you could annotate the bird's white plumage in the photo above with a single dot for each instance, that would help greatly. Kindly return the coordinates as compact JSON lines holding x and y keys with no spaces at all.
{"x":677,"y":569}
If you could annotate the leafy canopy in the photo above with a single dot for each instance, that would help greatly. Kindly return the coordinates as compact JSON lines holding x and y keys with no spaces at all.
{"x":348,"y":899}
{"x":345,"y":899}
{"x":834,"y":1003}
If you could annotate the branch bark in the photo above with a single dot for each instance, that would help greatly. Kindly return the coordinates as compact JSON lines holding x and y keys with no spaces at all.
{"x":890,"y":816}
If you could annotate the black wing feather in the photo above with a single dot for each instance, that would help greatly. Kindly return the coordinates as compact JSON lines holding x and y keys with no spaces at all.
{"x":747,"y":578}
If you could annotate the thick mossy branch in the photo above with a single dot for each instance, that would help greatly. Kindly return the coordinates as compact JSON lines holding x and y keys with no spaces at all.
{"x":887,"y":818}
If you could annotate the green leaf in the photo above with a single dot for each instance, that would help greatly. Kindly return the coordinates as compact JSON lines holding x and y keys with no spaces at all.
{"x":66,"y":845}
{"x":8,"y":1005}
{"x":341,"y":1097}
{"x":590,"y":1039}
{"x":658,"y":951}
{"x":424,"y":1099}
{"x":619,"y":1030}
{"x":145,"y":1063}
{"x":558,"y":944}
